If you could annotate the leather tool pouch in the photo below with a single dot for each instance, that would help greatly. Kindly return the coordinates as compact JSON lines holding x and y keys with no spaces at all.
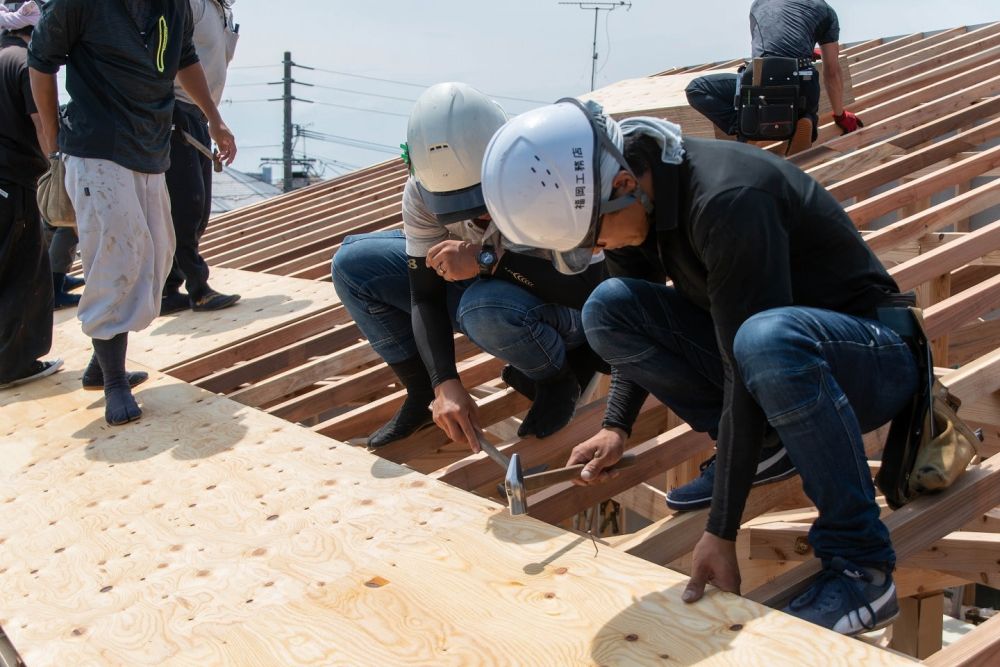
{"x":769,"y":99}
{"x":928,"y":446}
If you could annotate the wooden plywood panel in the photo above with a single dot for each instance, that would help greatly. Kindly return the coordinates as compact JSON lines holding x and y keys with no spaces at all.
{"x":210,"y":533}
{"x":268,"y":301}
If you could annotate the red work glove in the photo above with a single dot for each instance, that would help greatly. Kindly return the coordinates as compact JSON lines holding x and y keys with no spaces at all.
{"x":848,"y":122}
{"x":817,"y":55}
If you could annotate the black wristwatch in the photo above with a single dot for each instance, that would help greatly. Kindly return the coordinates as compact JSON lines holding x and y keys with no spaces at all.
{"x":487,"y":260}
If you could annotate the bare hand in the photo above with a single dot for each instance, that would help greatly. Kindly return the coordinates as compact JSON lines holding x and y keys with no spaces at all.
{"x":601,"y":451}
{"x":714,"y":563}
{"x":454,"y":260}
{"x":224,"y":139}
{"x":455,"y":413}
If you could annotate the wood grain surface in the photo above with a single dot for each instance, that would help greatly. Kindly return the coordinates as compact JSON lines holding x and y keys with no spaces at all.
{"x":267,"y":301}
{"x":210,"y":533}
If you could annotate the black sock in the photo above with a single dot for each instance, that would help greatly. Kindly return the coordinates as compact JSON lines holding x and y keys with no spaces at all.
{"x":554,"y":404}
{"x":120,"y":406}
{"x":413,"y":414}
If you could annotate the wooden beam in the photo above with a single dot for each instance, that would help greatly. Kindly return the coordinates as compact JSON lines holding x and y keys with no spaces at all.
{"x":949,"y":256}
{"x":913,"y":527}
{"x":959,"y":551}
{"x":918,"y":629}
{"x":979,"y":648}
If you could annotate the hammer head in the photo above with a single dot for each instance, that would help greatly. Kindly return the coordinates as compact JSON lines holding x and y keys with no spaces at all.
{"x":513,"y":483}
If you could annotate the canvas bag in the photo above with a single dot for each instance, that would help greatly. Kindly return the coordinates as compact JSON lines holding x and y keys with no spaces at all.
{"x":54,"y":203}
{"x":928,"y":446}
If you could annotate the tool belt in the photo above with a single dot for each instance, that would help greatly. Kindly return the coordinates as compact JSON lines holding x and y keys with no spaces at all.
{"x":769,"y":97}
{"x":928,"y":446}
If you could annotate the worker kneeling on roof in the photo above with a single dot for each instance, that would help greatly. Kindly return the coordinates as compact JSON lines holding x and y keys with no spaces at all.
{"x":410,"y":290}
{"x":783,"y":34}
{"x":767,"y":337}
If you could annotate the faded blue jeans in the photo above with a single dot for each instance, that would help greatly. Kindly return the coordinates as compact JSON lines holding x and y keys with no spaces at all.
{"x":370,"y":276}
{"x":822,"y":379}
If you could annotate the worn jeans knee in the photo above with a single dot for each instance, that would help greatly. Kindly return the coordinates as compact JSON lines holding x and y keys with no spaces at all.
{"x":513,"y":324}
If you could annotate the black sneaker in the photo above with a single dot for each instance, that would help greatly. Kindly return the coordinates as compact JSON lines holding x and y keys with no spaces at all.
{"x":212,"y":300}
{"x":174,"y":303}
{"x":846,"y":599}
{"x":774,"y":465}
{"x":38,"y":370}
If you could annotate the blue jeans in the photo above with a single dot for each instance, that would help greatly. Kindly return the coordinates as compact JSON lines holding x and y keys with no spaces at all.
{"x":370,"y":276}
{"x":822,"y":379}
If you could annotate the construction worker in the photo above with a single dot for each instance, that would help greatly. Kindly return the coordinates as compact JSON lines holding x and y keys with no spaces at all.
{"x":410,"y":290}
{"x":770,"y":324}
{"x":26,"y":291}
{"x":122,"y":59}
{"x":189,"y":178}
{"x":786,"y":29}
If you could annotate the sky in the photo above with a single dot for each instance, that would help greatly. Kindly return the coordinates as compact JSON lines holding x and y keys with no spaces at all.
{"x":374,"y":57}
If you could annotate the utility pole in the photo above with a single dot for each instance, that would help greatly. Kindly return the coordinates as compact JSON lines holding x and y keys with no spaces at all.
{"x":598,"y":7}
{"x":287,"y":98}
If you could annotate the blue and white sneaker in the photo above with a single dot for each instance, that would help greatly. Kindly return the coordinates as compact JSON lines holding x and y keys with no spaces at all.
{"x":774,"y":465}
{"x":847,"y":600}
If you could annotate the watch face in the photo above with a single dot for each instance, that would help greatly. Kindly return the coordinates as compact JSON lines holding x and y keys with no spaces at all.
{"x":487,"y":257}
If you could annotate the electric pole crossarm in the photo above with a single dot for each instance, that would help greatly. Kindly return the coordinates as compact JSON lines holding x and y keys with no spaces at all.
{"x":598,"y":7}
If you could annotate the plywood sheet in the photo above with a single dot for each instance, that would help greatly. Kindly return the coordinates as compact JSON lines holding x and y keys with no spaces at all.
{"x":210,"y":533}
{"x":267,"y":301}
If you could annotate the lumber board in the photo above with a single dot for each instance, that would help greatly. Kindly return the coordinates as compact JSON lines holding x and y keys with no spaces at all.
{"x":213,"y":363}
{"x":979,"y":648}
{"x":915,"y":191}
{"x":960,"y":551}
{"x":289,"y":548}
{"x":947,"y":257}
{"x":268,"y":302}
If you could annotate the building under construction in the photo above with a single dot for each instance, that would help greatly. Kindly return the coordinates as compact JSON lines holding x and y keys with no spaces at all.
{"x":237,"y":524}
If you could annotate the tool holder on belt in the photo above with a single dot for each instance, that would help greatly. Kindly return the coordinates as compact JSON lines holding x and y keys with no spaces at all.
{"x":928,"y":446}
{"x":769,"y":97}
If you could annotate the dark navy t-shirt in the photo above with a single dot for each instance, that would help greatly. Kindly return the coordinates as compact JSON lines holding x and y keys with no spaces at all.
{"x":791,"y":28}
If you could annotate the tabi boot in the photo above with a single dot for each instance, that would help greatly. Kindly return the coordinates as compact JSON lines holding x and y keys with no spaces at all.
{"x":521,"y":383}
{"x":554,"y":404}
{"x":120,"y":406}
{"x":93,"y":377}
{"x":413,"y":414}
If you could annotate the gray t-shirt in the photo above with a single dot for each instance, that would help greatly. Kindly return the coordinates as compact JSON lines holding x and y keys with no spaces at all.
{"x":791,"y":28}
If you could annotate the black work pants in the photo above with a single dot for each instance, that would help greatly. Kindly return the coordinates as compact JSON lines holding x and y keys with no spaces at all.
{"x":713,"y":96}
{"x":189,"y":182}
{"x":25,"y":284}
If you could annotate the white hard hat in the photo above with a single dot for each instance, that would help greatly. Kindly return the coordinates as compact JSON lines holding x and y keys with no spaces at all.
{"x":542,"y":181}
{"x":446,"y":136}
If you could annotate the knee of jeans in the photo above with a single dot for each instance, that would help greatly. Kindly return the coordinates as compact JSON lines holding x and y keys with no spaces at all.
{"x":485,"y":318}
{"x":772,"y":341}
{"x":345,"y":264}
{"x":600,"y":314}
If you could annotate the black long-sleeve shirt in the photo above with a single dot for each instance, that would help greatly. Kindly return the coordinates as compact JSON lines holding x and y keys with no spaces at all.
{"x":120,"y":75}
{"x":740,"y":231}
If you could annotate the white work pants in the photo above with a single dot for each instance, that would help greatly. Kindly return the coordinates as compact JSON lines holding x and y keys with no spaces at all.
{"x":126,"y":243}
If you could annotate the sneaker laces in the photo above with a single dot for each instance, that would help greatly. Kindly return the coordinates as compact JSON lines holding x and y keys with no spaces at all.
{"x":832,"y":579}
{"x":706,"y":464}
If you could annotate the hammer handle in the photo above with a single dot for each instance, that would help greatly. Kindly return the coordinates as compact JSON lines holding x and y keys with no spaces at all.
{"x":550,"y":477}
{"x":499,"y":458}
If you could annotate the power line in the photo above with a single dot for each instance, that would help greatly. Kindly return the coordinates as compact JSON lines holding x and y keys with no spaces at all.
{"x":347,"y":141}
{"x":345,"y":106}
{"x":414,"y":85}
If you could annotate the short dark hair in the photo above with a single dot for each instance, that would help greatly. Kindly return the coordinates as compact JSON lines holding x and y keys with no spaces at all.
{"x":25,"y":31}
{"x":641,"y":152}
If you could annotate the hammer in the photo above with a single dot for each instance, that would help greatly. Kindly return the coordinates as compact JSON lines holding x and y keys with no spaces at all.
{"x":518,"y":486}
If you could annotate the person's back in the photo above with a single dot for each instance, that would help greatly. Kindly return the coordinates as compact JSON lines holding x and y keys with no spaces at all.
{"x":791,"y":28}
{"x":21,"y":159}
